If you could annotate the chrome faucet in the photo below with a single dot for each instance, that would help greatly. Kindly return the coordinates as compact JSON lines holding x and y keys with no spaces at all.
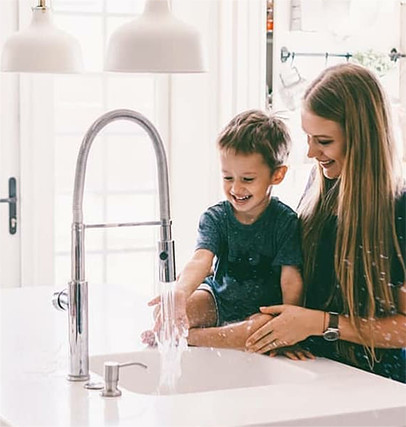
{"x":75,"y":297}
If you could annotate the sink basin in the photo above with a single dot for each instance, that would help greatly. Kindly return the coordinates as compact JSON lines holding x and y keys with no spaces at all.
{"x":205,"y":369}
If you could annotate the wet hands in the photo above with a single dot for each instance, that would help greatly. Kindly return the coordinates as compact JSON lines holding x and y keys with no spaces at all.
{"x":288,"y":325}
{"x":171,"y":322}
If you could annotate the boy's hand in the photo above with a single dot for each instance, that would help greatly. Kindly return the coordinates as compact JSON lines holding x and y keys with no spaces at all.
{"x":293,"y":352}
{"x":176,"y":311}
{"x":148,"y":337}
{"x":157,"y":312}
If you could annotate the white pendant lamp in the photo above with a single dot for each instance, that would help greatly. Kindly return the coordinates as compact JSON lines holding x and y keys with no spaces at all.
{"x":42,"y":47}
{"x":156,"y":42}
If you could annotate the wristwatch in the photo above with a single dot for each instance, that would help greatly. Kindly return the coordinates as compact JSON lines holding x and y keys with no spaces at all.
{"x":332,"y":332}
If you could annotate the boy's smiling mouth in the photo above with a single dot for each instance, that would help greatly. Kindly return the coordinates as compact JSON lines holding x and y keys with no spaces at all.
{"x":240,"y":198}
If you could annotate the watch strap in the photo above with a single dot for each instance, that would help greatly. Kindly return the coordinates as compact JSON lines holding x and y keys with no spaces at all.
{"x":333,"y":320}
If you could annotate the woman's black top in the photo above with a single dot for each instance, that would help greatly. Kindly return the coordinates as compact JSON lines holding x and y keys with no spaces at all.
{"x":324,"y":293}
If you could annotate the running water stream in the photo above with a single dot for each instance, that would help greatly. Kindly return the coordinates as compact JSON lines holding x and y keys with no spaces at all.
{"x":171,"y":342}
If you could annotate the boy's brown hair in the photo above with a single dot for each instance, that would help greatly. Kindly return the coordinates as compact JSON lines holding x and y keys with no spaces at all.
{"x":255,"y":131}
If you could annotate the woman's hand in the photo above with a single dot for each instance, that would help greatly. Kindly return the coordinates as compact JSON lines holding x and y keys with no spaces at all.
{"x":289,"y":325}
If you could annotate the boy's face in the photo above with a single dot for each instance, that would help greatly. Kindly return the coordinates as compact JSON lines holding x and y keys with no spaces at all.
{"x":247,"y":182}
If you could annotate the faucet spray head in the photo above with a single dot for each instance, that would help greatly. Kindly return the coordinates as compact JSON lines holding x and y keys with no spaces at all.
{"x":166,"y":250}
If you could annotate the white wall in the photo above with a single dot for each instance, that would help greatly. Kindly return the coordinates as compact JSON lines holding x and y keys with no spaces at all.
{"x":338,"y":27}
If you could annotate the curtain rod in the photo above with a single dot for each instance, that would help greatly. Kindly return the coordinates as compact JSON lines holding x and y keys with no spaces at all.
{"x":394,"y":55}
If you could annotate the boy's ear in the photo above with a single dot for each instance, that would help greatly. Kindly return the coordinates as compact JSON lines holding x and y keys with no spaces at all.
{"x":279,"y":174}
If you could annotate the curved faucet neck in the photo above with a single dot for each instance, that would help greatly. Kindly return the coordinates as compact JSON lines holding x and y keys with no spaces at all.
{"x":162,"y":168}
{"x":166,"y":244}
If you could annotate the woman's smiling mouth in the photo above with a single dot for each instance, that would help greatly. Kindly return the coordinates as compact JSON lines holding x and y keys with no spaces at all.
{"x":326,"y":163}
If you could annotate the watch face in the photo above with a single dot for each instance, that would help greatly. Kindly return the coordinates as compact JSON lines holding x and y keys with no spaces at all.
{"x":331,"y":335}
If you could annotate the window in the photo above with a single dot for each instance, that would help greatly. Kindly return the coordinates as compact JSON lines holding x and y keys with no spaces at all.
{"x":121,"y":177}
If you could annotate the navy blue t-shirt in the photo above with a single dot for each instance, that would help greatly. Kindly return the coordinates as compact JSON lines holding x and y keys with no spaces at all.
{"x":248,"y":258}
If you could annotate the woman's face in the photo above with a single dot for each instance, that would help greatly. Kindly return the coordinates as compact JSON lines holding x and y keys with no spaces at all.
{"x":326,"y":143}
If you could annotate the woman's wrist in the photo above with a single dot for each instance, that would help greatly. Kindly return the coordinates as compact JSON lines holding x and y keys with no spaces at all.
{"x":318,"y":324}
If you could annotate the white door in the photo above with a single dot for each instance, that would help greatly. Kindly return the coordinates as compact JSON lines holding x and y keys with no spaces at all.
{"x":25,"y":151}
{"x":10,"y":231}
{"x":9,"y":185}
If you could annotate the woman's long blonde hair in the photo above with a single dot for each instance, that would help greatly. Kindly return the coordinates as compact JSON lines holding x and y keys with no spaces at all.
{"x":363,"y":197}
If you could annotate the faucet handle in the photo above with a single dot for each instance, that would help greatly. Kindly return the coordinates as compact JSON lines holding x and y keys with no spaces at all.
{"x":111,"y":376}
{"x":60,"y":300}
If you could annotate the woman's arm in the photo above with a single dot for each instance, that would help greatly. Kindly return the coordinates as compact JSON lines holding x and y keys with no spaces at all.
{"x":291,"y":324}
{"x":234,"y":335}
{"x":388,"y":332}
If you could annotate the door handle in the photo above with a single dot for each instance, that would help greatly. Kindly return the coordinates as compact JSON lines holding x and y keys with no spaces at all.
{"x":12,"y":205}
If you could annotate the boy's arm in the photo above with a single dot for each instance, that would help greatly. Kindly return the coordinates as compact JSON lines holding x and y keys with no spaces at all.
{"x":292,"y":285}
{"x":232,"y":335}
{"x":195,"y":271}
{"x":193,"y":274}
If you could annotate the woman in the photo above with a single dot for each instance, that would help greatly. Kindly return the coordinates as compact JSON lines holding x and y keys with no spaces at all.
{"x":353,"y":218}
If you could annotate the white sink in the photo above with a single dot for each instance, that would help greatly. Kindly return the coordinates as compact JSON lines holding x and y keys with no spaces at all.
{"x":205,"y":369}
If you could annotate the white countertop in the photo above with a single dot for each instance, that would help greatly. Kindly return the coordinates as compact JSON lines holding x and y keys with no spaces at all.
{"x":34,"y":391}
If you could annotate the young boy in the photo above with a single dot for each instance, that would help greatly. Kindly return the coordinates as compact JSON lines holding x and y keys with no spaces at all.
{"x":252,"y":238}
